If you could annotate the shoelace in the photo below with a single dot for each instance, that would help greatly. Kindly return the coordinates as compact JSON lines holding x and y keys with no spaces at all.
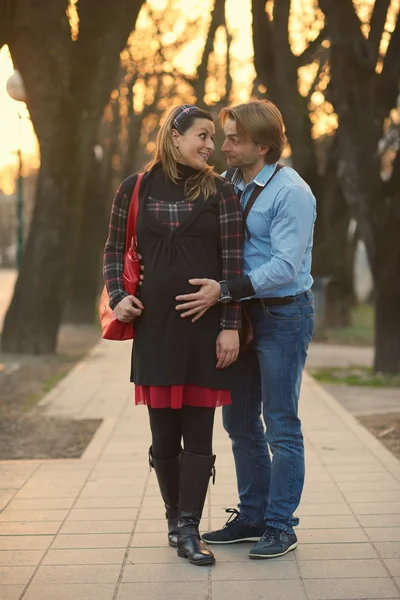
{"x":271,"y":534}
{"x":235,"y":515}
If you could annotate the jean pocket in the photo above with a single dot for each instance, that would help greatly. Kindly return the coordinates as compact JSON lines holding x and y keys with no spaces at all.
{"x":310,"y":327}
{"x":285,"y":312}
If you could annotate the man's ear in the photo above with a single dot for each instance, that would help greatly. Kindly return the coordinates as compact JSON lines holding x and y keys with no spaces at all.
{"x":264,"y":149}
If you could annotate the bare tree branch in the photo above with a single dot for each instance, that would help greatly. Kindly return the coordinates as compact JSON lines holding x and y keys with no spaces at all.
{"x":377,"y":25}
{"x":263,"y":42}
{"x":217,"y":19}
{"x":308,"y":55}
{"x":388,"y":82}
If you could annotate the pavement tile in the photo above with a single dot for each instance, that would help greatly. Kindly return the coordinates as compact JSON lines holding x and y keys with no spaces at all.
{"x":62,"y":574}
{"x":388,"y":549}
{"x":393,"y":564}
{"x":5,"y":497}
{"x":332,"y":551}
{"x":325,"y":497}
{"x":375,"y":508}
{"x":95,"y":540}
{"x":20,"y":558}
{"x":33,"y":515}
{"x":16,"y":575}
{"x":36,"y":491}
{"x":85,"y":556}
{"x":145,"y":540}
{"x":112,"y":502}
{"x":25,"y":542}
{"x":25,"y":528}
{"x":101,"y":491}
{"x":97,"y":527}
{"x":328,"y":522}
{"x":154,"y":526}
{"x":378,"y":520}
{"x":387,"y":485}
{"x":275,"y":589}
{"x":383,"y":534}
{"x":373,"y":496}
{"x":86,"y":591}
{"x":331,"y":536}
{"x":29,"y":504}
{"x":195,"y":590}
{"x":350,"y":589}
{"x":102,"y":514}
{"x":152,"y":556}
{"x":11,"y":592}
{"x":339,"y":508}
{"x":148,"y":573}
{"x":323,"y":569}
{"x":254,"y":570}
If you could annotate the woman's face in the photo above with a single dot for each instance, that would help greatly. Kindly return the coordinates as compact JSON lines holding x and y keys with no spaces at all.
{"x":196,"y":145}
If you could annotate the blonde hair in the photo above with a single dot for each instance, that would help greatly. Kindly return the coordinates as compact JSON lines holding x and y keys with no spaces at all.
{"x":202,"y":183}
{"x":260,"y":120}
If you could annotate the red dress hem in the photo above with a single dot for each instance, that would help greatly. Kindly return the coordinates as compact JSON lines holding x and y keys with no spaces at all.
{"x":175,"y":396}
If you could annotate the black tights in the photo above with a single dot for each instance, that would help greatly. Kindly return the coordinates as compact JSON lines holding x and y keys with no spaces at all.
{"x":192,"y":423}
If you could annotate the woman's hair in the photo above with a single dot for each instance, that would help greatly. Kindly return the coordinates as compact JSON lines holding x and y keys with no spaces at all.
{"x":181,"y":118}
{"x":260,"y":120}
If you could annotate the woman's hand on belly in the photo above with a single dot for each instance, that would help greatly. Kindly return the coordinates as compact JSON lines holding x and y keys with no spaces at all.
{"x":227,"y":347}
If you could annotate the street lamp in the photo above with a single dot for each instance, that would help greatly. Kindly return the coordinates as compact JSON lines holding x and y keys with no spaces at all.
{"x":16,"y":90}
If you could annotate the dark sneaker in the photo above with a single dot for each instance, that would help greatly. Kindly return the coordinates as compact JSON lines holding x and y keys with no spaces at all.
{"x":234,"y":530}
{"x":274,"y":542}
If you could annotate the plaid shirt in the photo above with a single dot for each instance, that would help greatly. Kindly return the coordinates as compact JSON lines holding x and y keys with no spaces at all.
{"x":230,"y":221}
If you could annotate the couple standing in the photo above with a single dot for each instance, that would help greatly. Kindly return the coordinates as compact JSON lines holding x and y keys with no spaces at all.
{"x":185,"y":359}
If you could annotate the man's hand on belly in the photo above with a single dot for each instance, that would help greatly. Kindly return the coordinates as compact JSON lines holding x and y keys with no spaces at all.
{"x":198,"y":303}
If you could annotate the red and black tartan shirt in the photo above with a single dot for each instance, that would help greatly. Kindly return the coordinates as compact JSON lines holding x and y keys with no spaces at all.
{"x":230,"y":219}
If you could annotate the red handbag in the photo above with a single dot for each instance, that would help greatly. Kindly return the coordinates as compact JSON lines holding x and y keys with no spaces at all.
{"x":112,"y":329}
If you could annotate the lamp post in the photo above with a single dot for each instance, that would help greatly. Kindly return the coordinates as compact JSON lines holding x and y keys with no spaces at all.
{"x":16,"y":91}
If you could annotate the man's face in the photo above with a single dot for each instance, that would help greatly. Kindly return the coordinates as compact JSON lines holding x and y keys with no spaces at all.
{"x":240,"y":151}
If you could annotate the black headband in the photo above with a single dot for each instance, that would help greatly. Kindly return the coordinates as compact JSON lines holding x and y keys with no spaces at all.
{"x":182,"y":112}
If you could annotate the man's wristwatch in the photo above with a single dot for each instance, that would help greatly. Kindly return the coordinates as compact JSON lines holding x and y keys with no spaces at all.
{"x":225,"y":296}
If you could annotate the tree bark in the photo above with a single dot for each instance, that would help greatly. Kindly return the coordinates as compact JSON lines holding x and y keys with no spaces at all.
{"x":86,"y":279}
{"x":362,"y":99}
{"x":68,"y":84}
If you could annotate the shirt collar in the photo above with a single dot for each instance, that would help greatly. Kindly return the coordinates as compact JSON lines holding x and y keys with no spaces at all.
{"x":260,"y":179}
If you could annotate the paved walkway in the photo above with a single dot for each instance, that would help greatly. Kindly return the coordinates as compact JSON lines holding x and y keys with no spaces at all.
{"x":93,"y":529}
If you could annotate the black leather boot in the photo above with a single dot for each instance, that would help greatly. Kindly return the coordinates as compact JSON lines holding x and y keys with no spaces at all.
{"x":196,"y":471}
{"x":168,"y":473}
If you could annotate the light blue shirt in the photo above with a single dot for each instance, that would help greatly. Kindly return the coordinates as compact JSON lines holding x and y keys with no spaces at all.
{"x":277,"y":256}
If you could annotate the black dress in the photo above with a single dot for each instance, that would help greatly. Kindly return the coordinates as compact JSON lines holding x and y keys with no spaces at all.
{"x":170,"y":350}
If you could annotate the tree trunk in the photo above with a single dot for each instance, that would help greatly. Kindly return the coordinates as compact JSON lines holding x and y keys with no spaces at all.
{"x":68,"y":84}
{"x":334,"y":249}
{"x":32,"y":320}
{"x":84,"y":286}
{"x":87,"y":279}
{"x":387,"y":294}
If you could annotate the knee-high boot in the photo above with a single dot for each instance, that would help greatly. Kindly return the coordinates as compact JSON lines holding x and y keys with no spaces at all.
{"x":196,"y":471}
{"x":168,"y":474}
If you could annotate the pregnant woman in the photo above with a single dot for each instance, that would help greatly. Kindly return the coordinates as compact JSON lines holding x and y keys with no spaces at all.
{"x":189,"y":225}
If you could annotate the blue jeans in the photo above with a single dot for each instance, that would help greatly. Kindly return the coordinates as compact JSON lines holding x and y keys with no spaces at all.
{"x":267,"y":383}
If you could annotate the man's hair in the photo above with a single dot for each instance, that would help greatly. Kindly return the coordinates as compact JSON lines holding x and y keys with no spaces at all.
{"x":262,"y":122}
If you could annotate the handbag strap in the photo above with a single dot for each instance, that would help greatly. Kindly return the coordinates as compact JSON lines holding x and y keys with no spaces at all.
{"x":133,"y":212}
{"x":254,"y":195}
{"x":256,"y":192}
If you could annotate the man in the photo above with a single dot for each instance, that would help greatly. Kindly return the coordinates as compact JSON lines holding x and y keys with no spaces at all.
{"x":275,"y":291}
